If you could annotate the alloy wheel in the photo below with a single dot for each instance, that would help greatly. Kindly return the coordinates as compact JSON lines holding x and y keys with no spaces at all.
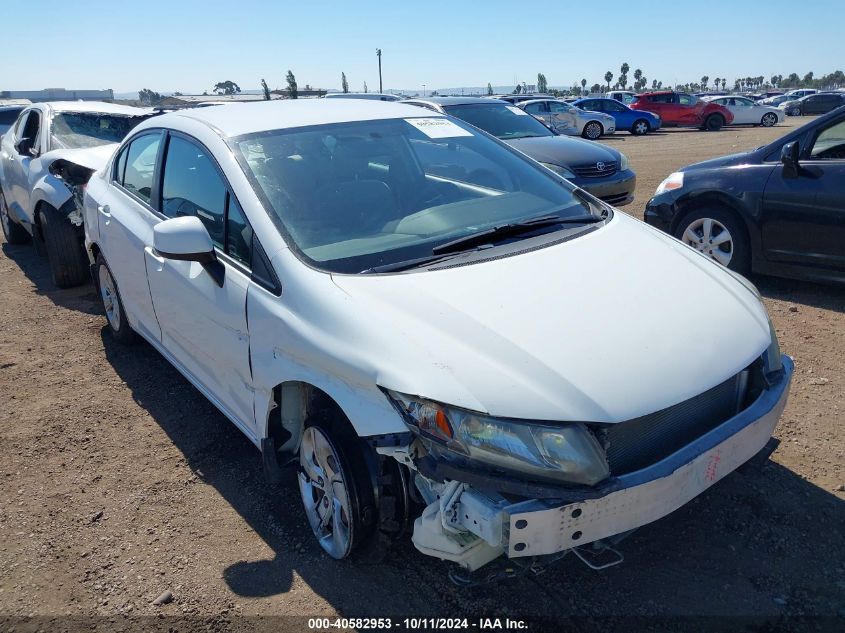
{"x":710,"y":237}
{"x":592,"y":131}
{"x":641,"y":127}
{"x":769,"y":119}
{"x":325,"y":494}
{"x":108,"y":292}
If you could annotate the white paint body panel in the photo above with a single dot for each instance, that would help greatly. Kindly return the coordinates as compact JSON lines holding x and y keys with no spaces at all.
{"x":748,"y":114}
{"x":534,"y":336}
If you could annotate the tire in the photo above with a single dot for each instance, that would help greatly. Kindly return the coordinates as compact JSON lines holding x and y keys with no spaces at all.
{"x":714,"y":123}
{"x":641,"y":127}
{"x":592,"y":131}
{"x":330,"y":452}
{"x":769,"y":119}
{"x":68,"y":263}
{"x":118,"y":324}
{"x":795,"y":112}
{"x":699,"y":229}
{"x":12,"y":231}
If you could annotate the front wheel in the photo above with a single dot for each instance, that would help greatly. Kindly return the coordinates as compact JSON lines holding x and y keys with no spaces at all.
{"x":593,"y":130}
{"x":718,"y":234}
{"x":714,"y":123}
{"x":769,"y":119}
{"x":795,"y":112}
{"x":336,"y":488}
{"x":68,"y":265}
{"x":641,"y":127}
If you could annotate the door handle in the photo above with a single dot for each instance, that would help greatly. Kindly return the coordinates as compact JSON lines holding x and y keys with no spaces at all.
{"x":104,"y":209}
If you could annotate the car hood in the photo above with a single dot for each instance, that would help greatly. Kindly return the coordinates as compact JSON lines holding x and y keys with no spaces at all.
{"x":563,"y":150}
{"x":723,"y":161}
{"x":94,"y":158}
{"x":614,"y":324}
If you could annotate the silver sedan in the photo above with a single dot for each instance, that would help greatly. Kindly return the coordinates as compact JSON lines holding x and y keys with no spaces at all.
{"x":564,"y":118}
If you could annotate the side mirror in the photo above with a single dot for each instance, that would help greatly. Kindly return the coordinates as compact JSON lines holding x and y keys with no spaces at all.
{"x":24,"y":147}
{"x":789,"y":156}
{"x":186,"y":239}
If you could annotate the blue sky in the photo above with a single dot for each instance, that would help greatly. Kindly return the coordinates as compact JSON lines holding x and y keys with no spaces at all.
{"x":188,"y":45}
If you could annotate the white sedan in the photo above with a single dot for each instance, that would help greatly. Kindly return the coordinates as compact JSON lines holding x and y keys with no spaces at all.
{"x":397,"y":300}
{"x":748,"y":112}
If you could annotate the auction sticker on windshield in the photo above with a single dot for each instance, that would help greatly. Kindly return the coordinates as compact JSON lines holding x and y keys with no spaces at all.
{"x":438,"y":128}
{"x":516,"y":110}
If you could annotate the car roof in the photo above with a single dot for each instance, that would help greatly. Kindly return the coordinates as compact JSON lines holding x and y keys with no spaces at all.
{"x":446,"y":101}
{"x":237,"y":119}
{"x":99,"y":107}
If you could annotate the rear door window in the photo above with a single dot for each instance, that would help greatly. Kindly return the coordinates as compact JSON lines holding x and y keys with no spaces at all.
{"x":138,"y":162}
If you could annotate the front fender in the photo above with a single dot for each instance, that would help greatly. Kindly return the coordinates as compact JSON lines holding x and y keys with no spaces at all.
{"x":52,"y":191}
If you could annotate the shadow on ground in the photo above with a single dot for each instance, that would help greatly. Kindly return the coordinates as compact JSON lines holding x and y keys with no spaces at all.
{"x":81,"y":298}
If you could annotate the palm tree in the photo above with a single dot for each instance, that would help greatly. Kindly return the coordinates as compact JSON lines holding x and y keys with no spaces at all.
{"x":638,"y":74}
{"x":623,"y":78}
{"x":583,"y":85}
{"x":608,"y":77}
{"x":704,"y":81}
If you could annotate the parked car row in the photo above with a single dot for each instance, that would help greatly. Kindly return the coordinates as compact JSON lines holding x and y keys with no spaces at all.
{"x":426,"y":320}
{"x":816,"y":103}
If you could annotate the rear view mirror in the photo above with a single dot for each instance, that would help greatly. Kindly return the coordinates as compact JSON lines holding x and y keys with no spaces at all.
{"x":789,"y":156}
{"x":187,"y":239}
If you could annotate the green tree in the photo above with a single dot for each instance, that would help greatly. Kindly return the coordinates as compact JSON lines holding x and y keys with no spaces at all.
{"x":344,"y":85}
{"x":623,"y":78}
{"x":583,"y":85}
{"x":226,"y":87}
{"x":149,"y":97}
{"x":518,"y":89}
{"x":266,"y":90}
{"x":608,"y":77}
{"x":542,"y":85}
{"x":596,"y":88}
{"x":489,"y":90}
{"x":808,"y":79}
{"x":704,"y":81}
{"x":365,"y":86}
{"x":293,"y":89}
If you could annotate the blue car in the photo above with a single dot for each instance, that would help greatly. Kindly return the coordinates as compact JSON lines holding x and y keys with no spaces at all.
{"x":634,"y":121}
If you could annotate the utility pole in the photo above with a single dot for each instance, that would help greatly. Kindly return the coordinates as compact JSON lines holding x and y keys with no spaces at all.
{"x":423,"y":90}
{"x":378,"y":54}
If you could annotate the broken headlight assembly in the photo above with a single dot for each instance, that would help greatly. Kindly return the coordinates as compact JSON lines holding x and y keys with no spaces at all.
{"x":564,"y":453}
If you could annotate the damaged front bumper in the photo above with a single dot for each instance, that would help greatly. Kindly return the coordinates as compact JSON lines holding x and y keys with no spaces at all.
{"x":470,"y":521}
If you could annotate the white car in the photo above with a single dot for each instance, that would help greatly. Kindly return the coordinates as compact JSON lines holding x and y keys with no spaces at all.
{"x":625,"y":96}
{"x":749,"y":112}
{"x":36,"y":204}
{"x":564,"y":118}
{"x":342,"y":280}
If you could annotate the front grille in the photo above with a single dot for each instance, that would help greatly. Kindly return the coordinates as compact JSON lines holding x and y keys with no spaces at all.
{"x":614,"y":199}
{"x":596,"y":170}
{"x":640,"y":442}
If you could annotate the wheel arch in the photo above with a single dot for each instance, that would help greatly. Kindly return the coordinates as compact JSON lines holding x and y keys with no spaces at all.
{"x":719,"y":199}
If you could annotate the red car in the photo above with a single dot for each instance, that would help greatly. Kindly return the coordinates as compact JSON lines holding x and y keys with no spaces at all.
{"x":681,"y":109}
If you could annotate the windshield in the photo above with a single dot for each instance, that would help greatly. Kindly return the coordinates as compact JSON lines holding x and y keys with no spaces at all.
{"x":502,"y":121}
{"x":72,"y":130}
{"x":355,"y":196}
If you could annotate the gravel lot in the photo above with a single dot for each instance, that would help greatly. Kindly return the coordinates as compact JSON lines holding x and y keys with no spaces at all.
{"x":119,"y":481}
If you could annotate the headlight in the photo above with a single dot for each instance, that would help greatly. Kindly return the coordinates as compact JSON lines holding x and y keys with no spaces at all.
{"x":567,"y":452}
{"x":673,"y":181}
{"x":559,"y":170}
{"x":773,"y":360}
{"x":623,"y":162}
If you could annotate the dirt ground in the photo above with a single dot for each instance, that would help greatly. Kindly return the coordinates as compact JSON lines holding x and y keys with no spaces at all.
{"x":119,"y":481}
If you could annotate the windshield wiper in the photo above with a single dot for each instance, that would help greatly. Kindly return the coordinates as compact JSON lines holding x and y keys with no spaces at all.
{"x":496,"y":233}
